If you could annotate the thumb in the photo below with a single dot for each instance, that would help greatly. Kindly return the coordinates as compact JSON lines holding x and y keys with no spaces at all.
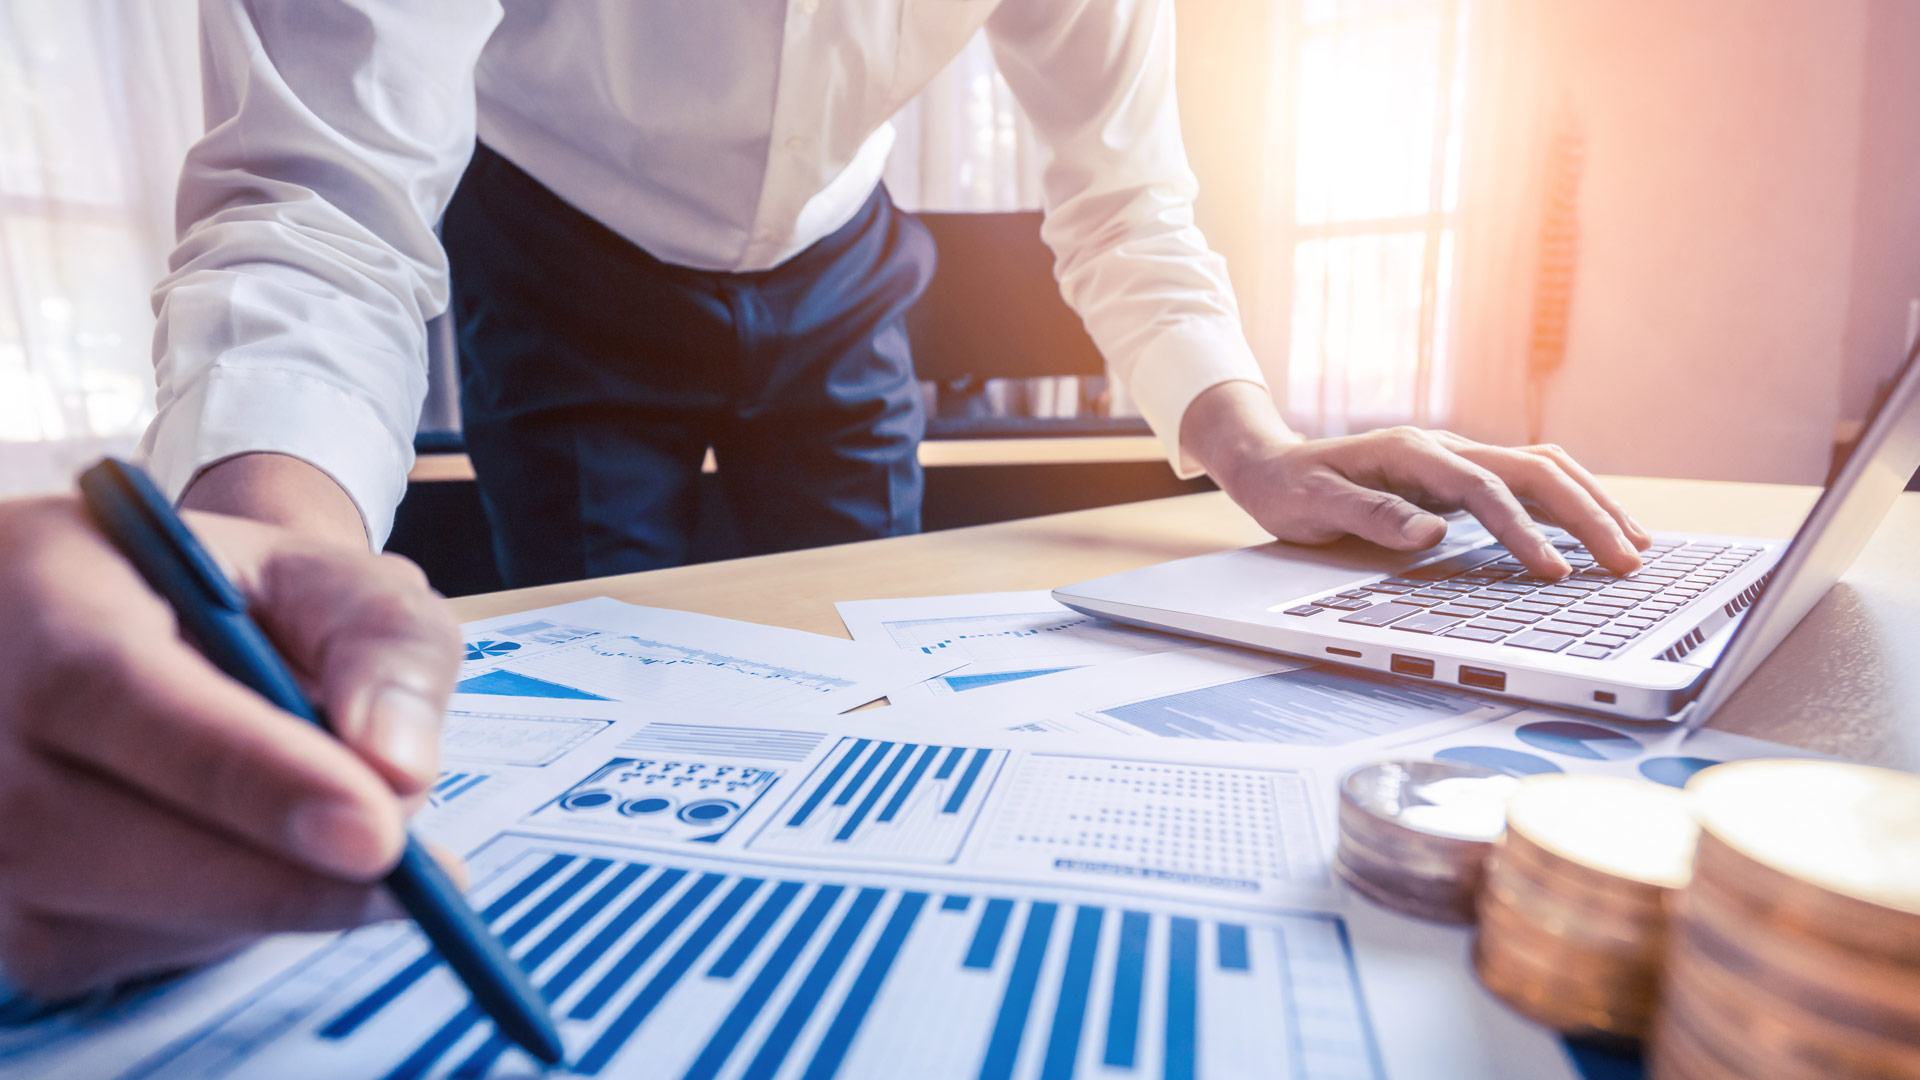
{"x":1383,"y":518}
{"x":377,"y":645}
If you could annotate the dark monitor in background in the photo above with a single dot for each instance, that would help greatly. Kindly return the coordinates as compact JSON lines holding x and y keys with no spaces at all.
{"x":993,"y":309}
{"x":1004,"y":354}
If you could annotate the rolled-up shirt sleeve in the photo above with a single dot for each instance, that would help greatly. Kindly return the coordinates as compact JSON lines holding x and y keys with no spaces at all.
{"x":1096,"y":79}
{"x":293,"y":316}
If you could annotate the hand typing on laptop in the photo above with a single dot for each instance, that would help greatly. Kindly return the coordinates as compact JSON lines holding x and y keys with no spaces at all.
{"x":1381,"y":486}
{"x":157,"y":813}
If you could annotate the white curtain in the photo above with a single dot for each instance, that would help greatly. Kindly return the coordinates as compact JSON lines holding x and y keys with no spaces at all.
{"x":98,"y":103}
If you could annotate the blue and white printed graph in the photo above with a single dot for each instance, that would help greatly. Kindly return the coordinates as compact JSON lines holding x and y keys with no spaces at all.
{"x":687,"y":969}
{"x":909,"y":801}
{"x":1305,"y":707}
{"x":695,"y":801}
{"x":1574,"y":739}
{"x":1134,"y":822}
{"x":511,"y":739}
{"x":452,"y":785}
{"x":725,"y":740}
{"x":1003,"y":648}
{"x":620,"y":667}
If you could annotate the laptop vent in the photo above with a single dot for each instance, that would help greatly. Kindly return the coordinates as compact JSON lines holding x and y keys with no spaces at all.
{"x":1732,"y":607}
{"x":1685,"y":645}
{"x":1748,"y":595}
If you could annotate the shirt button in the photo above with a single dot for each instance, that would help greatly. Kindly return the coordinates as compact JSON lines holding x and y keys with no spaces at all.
{"x":796,"y":143}
{"x":809,"y":6}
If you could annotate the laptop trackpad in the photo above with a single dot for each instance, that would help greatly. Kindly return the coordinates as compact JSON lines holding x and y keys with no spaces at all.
{"x":1271,"y":575}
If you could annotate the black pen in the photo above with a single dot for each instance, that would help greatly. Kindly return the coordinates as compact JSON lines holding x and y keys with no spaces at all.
{"x":133,"y":514}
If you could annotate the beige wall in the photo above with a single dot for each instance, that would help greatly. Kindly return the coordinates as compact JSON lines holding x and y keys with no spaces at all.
{"x":1886,"y":254}
{"x":1746,"y":252}
{"x":1717,"y":220}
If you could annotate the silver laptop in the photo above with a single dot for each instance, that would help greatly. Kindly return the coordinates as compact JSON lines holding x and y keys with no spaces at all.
{"x":1669,"y":642}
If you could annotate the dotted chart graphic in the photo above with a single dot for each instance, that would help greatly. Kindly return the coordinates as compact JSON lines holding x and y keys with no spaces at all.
{"x":1233,"y":829}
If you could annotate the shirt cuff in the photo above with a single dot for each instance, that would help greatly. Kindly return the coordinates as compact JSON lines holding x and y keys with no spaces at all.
{"x":1178,"y":365}
{"x":233,"y":412}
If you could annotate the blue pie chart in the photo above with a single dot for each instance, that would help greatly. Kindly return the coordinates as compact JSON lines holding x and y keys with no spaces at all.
{"x":710,"y":810}
{"x":480,"y":650}
{"x":1674,"y":771}
{"x":1570,"y":738}
{"x":586,"y":800}
{"x":1511,"y":762}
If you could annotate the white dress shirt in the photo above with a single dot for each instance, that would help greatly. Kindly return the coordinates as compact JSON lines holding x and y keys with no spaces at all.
{"x":719,"y":134}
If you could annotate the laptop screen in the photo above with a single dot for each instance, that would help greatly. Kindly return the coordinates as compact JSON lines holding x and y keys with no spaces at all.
{"x":1828,"y":541}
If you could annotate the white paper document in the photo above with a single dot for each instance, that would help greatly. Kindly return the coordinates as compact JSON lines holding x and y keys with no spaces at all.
{"x":1000,"y":638}
{"x":604,"y":650}
{"x":732,"y":895}
{"x":1228,"y":695}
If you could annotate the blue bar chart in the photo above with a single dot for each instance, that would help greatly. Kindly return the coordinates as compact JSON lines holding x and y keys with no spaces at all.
{"x":693,"y":969}
{"x":452,"y":785}
{"x":1305,"y":707}
{"x":910,"y":801}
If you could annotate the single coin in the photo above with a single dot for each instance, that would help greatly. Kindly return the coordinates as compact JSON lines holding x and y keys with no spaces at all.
{"x":1571,"y":909}
{"x":1741,"y":1023}
{"x":1613,"y":945}
{"x":1412,"y":859}
{"x":1851,"y":829}
{"x":1448,"y":799}
{"x":1568,"y":1007}
{"x":1448,"y":906}
{"x":1678,"y":1052}
{"x":1389,"y":874}
{"x":1595,"y":888}
{"x":1853,"y":988}
{"x":1780,"y":1028}
{"x":1800,"y":906}
{"x":1634,"y":830}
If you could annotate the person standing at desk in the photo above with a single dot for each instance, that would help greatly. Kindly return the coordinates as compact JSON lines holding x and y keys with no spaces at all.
{"x":671,"y":235}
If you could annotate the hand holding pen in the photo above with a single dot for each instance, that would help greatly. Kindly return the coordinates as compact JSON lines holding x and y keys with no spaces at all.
{"x":162,"y":815}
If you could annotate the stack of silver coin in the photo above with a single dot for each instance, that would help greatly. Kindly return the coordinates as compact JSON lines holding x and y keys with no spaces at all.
{"x":1414,"y":835}
{"x":1794,"y":953}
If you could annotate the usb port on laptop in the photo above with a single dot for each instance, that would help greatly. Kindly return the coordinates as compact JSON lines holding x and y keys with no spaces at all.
{"x":1411,"y":665}
{"x":1482,"y":678}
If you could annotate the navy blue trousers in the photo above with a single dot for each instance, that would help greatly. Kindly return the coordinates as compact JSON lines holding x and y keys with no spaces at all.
{"x":594,"y":377}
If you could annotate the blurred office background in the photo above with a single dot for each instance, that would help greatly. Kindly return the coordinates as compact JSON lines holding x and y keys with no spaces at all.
{"x":1676,"y":236}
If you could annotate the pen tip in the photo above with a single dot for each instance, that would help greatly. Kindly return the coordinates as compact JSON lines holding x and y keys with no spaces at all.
{"x":545,"y":1047}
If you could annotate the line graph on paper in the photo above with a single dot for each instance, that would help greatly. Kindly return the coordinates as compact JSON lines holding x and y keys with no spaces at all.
{"x":1002,"y":648}
{"x":697,"y":969}
{"x":557,"y":661}
{"x":914,"y":802}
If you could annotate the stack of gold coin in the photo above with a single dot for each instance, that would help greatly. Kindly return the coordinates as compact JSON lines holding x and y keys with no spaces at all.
{"x":1795,"y":951}
{"x":1414,"y":835}
{"x":1572,"y":918}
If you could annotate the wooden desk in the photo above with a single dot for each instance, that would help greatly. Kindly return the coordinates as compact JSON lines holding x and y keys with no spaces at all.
{"x":1846,"y":682}
{"x":934,"y":454}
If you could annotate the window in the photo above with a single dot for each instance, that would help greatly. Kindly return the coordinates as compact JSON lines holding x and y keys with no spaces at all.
{"x":1365,"y":147}
{"x":85,"y":221}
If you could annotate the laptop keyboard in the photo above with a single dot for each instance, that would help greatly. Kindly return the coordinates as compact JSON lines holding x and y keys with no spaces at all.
{"x":1486,"y":595}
